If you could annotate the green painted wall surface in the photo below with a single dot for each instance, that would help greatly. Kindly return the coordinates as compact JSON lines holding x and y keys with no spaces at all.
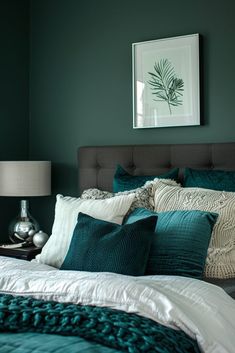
{"x":81,"y":76}
{"x":14,"y":92}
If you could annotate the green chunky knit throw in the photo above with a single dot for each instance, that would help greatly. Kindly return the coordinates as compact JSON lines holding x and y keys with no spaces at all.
{"x":126,"y":332}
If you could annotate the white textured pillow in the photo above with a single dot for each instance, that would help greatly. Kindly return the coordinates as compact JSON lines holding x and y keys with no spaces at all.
{"x":144,"y":195}
{"x":66,"y":212}
{"x":220,"y":262}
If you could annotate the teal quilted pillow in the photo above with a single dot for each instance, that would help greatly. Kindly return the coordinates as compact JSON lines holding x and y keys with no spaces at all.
{"x":100,"y":246}
{"x":123,"y":181}
{"x":180,"y":243}
{"x":210,"y":179}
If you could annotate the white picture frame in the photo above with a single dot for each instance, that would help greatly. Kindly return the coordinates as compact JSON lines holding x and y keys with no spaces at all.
{"x":166,"y":84}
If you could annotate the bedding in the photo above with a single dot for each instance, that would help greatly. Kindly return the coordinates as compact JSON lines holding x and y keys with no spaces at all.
{"x":144,"y":195}
{"x":180,"y":242}
{"x":204,"y":312}
{"x":220,"y":262}
{"x":190,"y":232}
{"x":101,"y":246}
{"x":228,"y":285}
{"x":31,"y":342}
{"x":110,"y":327}
{"x":66,"y":212}
{"x":209,"y":179}
{"x":123,"y":181}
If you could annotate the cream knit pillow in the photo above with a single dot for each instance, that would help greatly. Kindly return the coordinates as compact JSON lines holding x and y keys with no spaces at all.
{"x":220,"y":262}
{"x":66,"y":213}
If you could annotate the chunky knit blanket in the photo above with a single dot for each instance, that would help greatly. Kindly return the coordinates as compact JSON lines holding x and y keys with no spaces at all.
{"x":117,"y":329}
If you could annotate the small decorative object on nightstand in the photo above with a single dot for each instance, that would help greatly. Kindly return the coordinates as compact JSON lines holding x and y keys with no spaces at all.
{"x":40,"y":239}
{"x":23,"y":253}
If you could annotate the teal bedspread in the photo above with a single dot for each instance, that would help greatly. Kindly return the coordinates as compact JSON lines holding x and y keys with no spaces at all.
{"x":47,"y":343}
{"x":31,"y":320}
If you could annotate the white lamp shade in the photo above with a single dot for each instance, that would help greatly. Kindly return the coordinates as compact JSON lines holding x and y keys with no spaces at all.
{"x":25,"y":178}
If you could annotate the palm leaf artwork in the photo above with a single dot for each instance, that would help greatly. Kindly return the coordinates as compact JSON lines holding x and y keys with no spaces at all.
{"x":165,"y":85}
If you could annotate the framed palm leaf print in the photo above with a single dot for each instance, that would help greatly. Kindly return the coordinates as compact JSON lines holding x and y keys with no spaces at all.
{"x":166,"y":87}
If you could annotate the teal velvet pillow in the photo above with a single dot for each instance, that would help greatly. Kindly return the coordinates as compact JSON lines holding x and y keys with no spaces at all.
{"x":100,"y":246}
{"x":210,"y":179}
{"x":124,"y":181}
{"x":180,"y":243}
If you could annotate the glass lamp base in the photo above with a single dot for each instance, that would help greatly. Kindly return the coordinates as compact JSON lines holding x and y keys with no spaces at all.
{"x":24,"y":226}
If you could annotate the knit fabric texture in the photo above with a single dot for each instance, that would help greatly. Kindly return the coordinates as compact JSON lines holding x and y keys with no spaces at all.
{"x":144,"y":195}
{"x":100,"y":246}
{"x":113,"y":328}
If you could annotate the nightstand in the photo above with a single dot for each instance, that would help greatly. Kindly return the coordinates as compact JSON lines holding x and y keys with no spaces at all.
{"x":27,"y":253}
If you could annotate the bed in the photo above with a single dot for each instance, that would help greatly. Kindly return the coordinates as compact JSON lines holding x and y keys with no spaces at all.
{"x":45,"y":309}
{"x":97,"y":165}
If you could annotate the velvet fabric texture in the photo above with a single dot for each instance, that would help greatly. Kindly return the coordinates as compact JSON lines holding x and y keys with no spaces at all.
{"x":101,"y":246}
{"x":124,"y":181}
{"x":210,"y":179}
{"x":180,"y":243}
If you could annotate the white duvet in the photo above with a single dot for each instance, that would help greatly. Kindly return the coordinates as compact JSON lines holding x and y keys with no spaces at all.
{"x":202,"y":310}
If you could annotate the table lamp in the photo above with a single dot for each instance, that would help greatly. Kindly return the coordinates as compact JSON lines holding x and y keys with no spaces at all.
{"x":24,"y":179}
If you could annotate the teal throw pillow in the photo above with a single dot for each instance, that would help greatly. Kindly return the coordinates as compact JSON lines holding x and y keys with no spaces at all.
{"x":101,"y":246}
{"x":180,"y":243}
{"x":210,"y":179}
{"x":124,"y":181}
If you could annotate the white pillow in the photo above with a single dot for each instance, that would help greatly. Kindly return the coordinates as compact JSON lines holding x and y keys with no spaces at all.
{"x":144,"y":195}
{"x":220,"y":262}
{"x":66,"y":213}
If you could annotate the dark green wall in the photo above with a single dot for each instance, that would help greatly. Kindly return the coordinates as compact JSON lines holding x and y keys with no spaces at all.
{"x":80,"y":79}
{"x":81,"y":89}
{"x":14,"y":92}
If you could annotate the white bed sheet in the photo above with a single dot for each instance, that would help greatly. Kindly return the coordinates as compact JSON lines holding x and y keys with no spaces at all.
{"x":202,"y":310}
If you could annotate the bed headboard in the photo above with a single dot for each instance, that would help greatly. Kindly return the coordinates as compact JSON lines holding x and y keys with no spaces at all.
{"x":97,"y":164}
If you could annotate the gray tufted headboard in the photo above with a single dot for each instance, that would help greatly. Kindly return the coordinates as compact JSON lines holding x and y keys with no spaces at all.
{"x":97,"y":164}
